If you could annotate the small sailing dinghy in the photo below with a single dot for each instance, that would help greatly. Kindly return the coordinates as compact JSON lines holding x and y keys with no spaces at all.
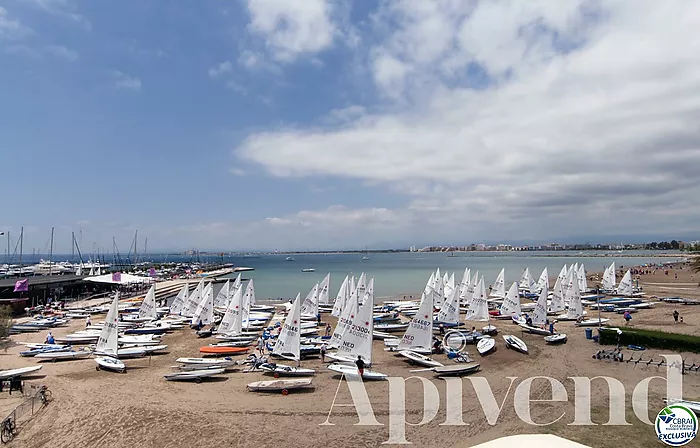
{"x":279,"y":370}
{"x":23,"y":371}
{"x":515,"y":343}
{"x":417,"y":358}
{"x":193,"y":375}
{"x":63,"y":355}
{"x":535,"y":330}
{"x":109,"y":363}
{"x":348,"y":369}
{"x":486,"y":346}
{"x":555,"y":339}
{"x":223,"y":362}
{"x":283,"y":386}
{"x":456,"y":370}
{"x":592,"y":322}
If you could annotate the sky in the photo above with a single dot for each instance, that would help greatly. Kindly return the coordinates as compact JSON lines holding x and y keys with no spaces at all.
{"x":312,"y":124}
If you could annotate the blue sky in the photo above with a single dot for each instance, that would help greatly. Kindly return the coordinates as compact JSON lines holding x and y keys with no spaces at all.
{"x":263,"y":124}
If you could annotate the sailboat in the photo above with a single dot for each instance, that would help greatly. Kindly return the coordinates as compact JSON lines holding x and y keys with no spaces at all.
{"x":323,"y":292}
{"x":510,"y":308}
{"x":107,"y":344}
{"x":625,"y":286}
{"x":309,"y":308}
{"x":543,"y":281}
{"x":419,"y":334}
{"x":342,"y":297}
{"x":346,"y":316}
{"x":205,"y":309}
{"x":192,"y":300}
{"x":366,"y":256}
{"x":479,"y":310}
{"x":609,"y":278}
{"x":499,"y":286}
{"x":449,"y":312}
{"x":288,"y":346}
{"x":179,"y":302}
{"x":148,"y":306}
{"x":222,"y":297}
{"x":357,"y":341}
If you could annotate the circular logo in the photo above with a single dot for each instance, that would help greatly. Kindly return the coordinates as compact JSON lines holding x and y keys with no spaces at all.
{"x":676,"y":425}
{"x":455,"y":341}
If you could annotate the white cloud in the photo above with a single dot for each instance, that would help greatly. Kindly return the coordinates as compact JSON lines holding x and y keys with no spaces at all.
{"x":125,"y":81}
{"x":256,"y":61}
{"x":11,"y":29}
{"x":586,"y":119}
{"x":293,"y":28}
{"x":65,"y":9}
{"x":221,"y":69}
{"x":62,"y":52}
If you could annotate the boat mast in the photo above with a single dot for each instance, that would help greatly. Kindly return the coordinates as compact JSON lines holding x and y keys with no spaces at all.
{"x":51,"y":252}
{"x":21,"y":248}
{"x":72,"y":247}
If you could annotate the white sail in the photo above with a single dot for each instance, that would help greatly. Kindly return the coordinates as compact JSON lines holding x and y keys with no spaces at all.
{"x":499,"y":286}
{"x":539,"y":316}
{"x":205,"y":309}
{"x":179,"y":302}
{"x":478,"y":308}
{"x":419,"y":334}
{"x":438,"y":292}
{"x":288,"y":343}
{"x":193,"y":299}
{"x":107,"y":343}
{"x":324,"y":289}
{"x":148,"y":306}
{"x":232,"y":321}
{"x":448,"y":288}
{"x":557,"y":297}
{"x":352,"y":284}
{"x":435,"y":278}
{"x":562,"y":275}
{"x":248,"y":300}
{"x":369,"y":291}
{"x":361,"y":286}
{"x":526,"y":281}
{"x":469,"y":297}
{"x":341,"y":298}
{"x":464,"y":284}
{"x":511,"y":304}
{"x":449,"y":312}
{"x":222,"y":298}
{"x":625,"y":286}
{"x":582,"y":281}
{"x":310,"y":304}
{"x":430,"y":284}
{"x":568,"y":285}
{"x":357,"y":339}
{"x":543,"y":281}
{"x":575,"y":305}
{"x":609,"y":280}
{"x":345,"y":320}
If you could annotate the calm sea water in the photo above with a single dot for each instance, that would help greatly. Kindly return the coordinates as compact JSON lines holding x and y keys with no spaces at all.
{"x":400,"y":274}
{"x":397,"y":274}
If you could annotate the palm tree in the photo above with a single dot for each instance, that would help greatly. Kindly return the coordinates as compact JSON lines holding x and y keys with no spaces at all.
{"x":695,"y":264}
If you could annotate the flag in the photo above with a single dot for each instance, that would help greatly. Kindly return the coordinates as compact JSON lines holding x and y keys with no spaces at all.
{"x":22,"y":285}
{"x":152,"y":272}
{"x":116,"y":277}
{"x":188,"y":271}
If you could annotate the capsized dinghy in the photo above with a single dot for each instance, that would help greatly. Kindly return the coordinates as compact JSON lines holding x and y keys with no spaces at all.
{"x":555,"y":339}
{"x":456,"y":370}
{"x":348,"y":369}
{"x":515,"y":343}
{"x":109,"y":363}
{"x":283,"y":386}
{"x":420,"y":359}
{"x":282,"y":370}
{"x":193,"y":375}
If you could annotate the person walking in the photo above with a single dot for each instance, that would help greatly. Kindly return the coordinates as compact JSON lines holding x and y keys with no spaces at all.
{"x":628,"y":317}
{"x":87,"y":322}
{"x":261,"y":346}
{"x":323,"y":353}
{"x":675,"y":316}
{"x":360,"y":365}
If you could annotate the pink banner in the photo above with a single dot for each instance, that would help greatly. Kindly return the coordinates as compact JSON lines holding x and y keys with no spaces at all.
{"x":22,"y":285}
{"x":152,"y":272}
{"x":116,"y":276}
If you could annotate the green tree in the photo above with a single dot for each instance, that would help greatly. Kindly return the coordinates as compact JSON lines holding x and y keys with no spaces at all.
{"x":5,"y":321}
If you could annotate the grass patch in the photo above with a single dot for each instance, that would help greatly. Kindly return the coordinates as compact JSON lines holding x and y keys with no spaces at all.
{"x":651,"y":339}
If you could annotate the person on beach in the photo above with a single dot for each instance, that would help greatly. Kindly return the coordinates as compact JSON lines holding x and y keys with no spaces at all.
{"x":360,"y":365}
{"x":328,"y":329}
{"x":261,"y":345}
{"x":441,"y":328}
{"x":628,"y":317}
{"x":318,"y":318}
{"x":49,"y":339}
{"x":87,"y":322}
{"x":323,"y":353}
{"x":675,"y":316}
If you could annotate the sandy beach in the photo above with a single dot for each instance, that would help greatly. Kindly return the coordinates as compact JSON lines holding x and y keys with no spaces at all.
{"x":140,"y":409}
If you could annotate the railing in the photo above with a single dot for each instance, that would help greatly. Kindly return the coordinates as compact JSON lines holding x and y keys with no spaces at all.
{"x":37,"y":398}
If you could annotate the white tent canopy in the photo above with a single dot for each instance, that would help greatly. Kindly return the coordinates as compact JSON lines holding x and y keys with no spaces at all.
{"x":126,"y":279}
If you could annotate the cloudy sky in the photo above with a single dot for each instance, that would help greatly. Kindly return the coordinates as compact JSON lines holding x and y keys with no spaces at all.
{"x":300,"y":124}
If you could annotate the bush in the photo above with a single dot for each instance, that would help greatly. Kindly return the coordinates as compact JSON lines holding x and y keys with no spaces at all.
{"x":651,"y":339}
{"x":5,"y":321}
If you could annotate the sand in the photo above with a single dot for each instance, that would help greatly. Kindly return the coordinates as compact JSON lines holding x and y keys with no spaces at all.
{"x":140,"y":409}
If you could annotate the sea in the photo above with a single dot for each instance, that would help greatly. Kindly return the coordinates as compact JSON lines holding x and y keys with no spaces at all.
{"x":405,"y":273}
{"x":398,"y":274}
